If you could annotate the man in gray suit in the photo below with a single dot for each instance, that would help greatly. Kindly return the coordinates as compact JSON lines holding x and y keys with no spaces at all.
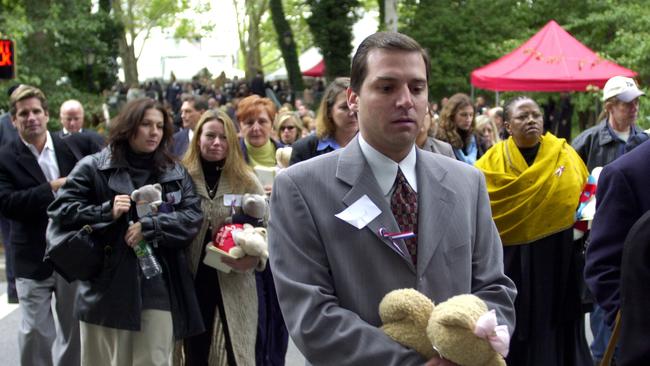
{"x":333,"y":218}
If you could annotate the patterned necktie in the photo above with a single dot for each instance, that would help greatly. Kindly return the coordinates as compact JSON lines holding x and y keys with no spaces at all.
{"x":404,"y":204}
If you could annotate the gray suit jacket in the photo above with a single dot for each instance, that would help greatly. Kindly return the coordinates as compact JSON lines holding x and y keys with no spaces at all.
{"x":331,"y":276}
{"x":437,"y":146}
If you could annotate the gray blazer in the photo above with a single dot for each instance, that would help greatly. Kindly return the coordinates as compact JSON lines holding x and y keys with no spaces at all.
{"x":438,"y":146}
{"x":331,"y":276}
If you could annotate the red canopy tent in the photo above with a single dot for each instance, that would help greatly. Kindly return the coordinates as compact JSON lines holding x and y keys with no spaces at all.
{"x":316,"y":71}
{"x":551,"y":61}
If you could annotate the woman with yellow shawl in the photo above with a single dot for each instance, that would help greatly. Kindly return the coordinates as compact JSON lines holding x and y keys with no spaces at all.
{"x":534,"y":181}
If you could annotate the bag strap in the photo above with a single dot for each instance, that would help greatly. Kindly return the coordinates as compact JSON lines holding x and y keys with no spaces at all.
{"x":613,"y":340}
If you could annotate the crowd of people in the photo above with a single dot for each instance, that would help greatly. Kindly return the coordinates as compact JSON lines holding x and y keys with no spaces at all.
{"x":465,"y":199}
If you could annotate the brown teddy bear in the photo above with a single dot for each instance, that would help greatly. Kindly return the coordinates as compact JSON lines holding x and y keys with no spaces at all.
{"x":461,"y":329}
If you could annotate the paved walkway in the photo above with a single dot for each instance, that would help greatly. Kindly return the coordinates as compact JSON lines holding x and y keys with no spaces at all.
{"x":10,"y":318}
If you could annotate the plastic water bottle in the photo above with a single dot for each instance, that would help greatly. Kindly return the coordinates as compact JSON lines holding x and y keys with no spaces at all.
{"x":148,"y":262}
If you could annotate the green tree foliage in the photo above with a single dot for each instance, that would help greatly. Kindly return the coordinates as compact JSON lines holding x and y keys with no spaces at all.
{"x":62,"y":47}
{"x":331,"y":24}
{"x":286,"y":44}
{"x":462,"y":35}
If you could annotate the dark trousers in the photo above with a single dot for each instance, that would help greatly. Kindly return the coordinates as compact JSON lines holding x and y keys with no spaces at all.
{"x":272,"y":335}
{"x":5,"y":228}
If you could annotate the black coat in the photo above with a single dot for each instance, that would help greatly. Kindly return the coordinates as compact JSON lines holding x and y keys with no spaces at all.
{"x":635,"y":298}
{"x":621,"y":198}
{"x":113,"y":299}
{"x":98,"y":140}
{"x":25,"y":195}
{"x":305,"y":149}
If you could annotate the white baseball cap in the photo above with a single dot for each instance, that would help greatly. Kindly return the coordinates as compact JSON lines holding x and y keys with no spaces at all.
{"x":623,"y":88}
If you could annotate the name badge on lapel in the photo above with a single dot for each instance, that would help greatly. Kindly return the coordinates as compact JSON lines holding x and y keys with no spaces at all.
{"x":232,"y":200}
{"x":360,"y":213}
{"x":173,"y":197}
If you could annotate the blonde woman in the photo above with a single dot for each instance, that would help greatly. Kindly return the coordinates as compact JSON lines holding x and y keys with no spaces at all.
{"x":486,"y":131}
{"x":228,"y":301}
{"x":287,"y":127}
{"x":336,"y":124}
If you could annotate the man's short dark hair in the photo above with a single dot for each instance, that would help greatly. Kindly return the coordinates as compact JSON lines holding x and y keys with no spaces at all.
{"x":386,"y":41}
{"x":199,"y":103}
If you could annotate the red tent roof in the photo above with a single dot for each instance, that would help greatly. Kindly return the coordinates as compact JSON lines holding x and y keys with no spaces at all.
{"x":316,"y":71}
{"x":552,"y":60}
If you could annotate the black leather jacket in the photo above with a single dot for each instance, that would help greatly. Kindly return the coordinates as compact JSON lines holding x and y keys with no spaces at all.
{"x":113,"y":299}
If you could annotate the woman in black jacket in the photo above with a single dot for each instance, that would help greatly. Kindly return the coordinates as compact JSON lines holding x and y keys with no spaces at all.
{"x":125,"y":317}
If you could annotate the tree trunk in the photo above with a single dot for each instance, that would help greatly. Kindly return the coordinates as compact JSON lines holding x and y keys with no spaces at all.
{"x":253,"y":54}
{"x":390,"y":15}
{"x":127,"y":51}
{"x":287,"y":46}
{"x":129,"y":62}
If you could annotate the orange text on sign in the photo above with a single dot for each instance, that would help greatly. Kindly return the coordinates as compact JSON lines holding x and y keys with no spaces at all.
{"x":5,"y":53}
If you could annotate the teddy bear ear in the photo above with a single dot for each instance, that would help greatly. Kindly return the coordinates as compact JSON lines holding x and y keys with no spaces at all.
{"x":405,"y":304}
{"x":158,"y":187}
{"x":135,"y":195}
{"x":459,"y":311}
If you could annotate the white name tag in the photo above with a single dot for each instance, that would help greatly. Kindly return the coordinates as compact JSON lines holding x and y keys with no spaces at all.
{"x":232,"y":200}
{"x":360,"y":213}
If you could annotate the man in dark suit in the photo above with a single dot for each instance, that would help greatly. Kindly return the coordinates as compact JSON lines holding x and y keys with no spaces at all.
{"x":191,"y":111}
{"x":380,"y":214}
{"x":32,"y":169}
{"x":72,"y":119}
{"x":621,"y":199}
{"x":7,"y":134}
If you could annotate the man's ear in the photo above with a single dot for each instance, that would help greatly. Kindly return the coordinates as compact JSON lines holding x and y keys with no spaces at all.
{"x":353,"y":100}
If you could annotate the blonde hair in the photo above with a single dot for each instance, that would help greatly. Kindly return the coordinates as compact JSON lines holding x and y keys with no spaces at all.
{"x":325,"y":125}
{"x":25,"y":92}
{"x":607,"y":106}
{"x":482,"y":121}
{"x":282,"y":117}
{"x":239,"y":174}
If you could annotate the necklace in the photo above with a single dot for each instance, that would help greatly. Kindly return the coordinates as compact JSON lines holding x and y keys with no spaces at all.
{"x":213,"y":190}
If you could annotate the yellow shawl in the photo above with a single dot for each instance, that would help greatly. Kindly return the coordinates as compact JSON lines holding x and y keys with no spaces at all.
{"x":532,"y":202}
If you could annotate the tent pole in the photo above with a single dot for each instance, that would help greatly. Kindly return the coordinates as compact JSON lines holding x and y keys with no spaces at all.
{"x":496,"y":103}
{"x":472,"y":92}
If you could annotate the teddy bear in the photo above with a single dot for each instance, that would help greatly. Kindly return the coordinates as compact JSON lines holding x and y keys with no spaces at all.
{"x":251,"y":241}
{"x":283,"y":156}
{"x":461,"y":329}
{"x":405,"y":314}
{"x":236,"y":241}
{"x":147,"y":199}
{"x":254,"y":207}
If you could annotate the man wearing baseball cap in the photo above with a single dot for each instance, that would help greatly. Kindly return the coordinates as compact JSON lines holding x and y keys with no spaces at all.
{"x":599,"y":146}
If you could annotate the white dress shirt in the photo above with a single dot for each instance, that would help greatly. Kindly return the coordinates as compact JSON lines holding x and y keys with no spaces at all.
{"x":46,"y":159}
{"x":385,"y":169}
